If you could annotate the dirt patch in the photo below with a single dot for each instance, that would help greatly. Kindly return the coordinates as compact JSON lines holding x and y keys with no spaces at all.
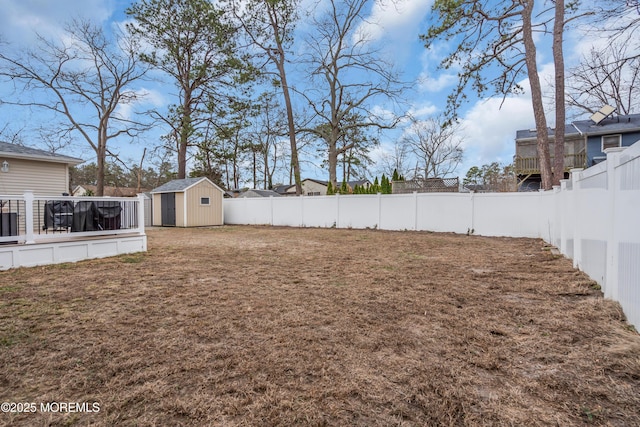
{"x":245,"y":326}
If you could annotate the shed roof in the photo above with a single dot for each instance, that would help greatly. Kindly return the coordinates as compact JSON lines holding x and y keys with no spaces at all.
{"x":16,"y":151}
{"x":181,"y":185}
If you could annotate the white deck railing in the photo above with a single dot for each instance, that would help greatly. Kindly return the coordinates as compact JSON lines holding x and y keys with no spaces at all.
{"x":29,"y":219}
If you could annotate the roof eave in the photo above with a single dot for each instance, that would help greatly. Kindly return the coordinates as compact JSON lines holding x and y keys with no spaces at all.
{"x":66,"y":160}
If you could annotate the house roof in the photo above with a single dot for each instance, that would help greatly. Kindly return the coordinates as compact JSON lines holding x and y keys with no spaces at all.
{"x":611,"y":125}
{"x":181,"y":185}
{"x":617,"y":124}
{"x":353,"y":184}
{"x":113,"y":191}
{"x":259,"y":193}
{"x":15,"y":151}
{"x":525,"y":134}
{"x":282,"y":189}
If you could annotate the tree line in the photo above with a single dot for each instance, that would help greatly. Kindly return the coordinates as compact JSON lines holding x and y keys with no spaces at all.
{"x":238,"y":113}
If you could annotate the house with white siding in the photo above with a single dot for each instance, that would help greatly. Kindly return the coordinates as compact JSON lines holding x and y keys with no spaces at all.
{"x":29,"y":169}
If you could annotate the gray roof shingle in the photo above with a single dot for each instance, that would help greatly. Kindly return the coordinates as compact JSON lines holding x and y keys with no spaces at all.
{"x":19,"y":151}
{"x":177,"y":185}
{"x":616,"y":124}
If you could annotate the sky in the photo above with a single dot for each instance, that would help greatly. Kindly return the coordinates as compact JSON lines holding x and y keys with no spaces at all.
{"x":489,"y":125}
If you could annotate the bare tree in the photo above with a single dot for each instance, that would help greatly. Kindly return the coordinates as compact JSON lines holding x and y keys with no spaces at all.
{"x":606,"y":76}
{"x":269,"y":27}
{"x":437,"y":146}
{"x":270,"y":125}
{"x":349,"y":76}
{"x":396,"y":159}
{"x":82,"y":80}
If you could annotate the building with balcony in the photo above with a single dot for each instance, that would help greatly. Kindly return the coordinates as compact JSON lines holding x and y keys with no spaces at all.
{"x":585,"y":142}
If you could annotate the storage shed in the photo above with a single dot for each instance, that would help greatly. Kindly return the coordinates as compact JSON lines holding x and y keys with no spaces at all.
{"x":190,"y":202}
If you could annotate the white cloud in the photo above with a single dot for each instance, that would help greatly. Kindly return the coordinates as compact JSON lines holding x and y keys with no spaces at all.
{"x":144,"y":97}
{"x":428,"y":83}
{"x":489,"y":131}
{"x":21,"y":19}
{"x":398,"y":20}
{"x":422,"y":111}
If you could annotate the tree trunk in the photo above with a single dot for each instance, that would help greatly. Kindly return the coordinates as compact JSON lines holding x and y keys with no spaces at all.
{"x":536,"y":96}
{"x":558,"y":61}
{"x":333,"y":162}
{"x":184,"y":137}
{"x":101,"y":157}
{"x":295,"y":164}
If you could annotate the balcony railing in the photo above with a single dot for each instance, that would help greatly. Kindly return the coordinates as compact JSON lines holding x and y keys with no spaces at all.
{"x":531,"y":165}
{"x":32,"y":219}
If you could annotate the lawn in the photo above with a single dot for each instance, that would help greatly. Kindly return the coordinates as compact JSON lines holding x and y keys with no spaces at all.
{"x":262,"y":326}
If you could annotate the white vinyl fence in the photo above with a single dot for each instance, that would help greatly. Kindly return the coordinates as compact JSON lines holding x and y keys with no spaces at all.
{"x":593,"y":218}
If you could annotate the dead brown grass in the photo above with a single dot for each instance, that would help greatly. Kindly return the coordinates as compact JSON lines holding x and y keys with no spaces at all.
{"x":247,"y":326}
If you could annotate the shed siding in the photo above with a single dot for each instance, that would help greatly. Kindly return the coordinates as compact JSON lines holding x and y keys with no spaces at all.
{"x":180,"y":218}
{"x":202,"y":215}
{"x":157,"y":209}
{"x":43,"y":178}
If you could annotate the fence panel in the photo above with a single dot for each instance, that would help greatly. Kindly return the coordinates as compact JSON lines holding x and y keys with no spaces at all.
{"x":320,"y":211}
{"x":593,"y":222}
{"x":250,"y":211}
{"x":447,"y":213}
{"x":625,"y":277}
{"x":287,"y":211}
{"x":398,"y":211}
{"x":507,"y":214}
{"x":360,"y":211}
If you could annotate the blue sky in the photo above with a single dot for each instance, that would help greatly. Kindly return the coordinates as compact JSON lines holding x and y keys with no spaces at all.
{"x":489,"y":130}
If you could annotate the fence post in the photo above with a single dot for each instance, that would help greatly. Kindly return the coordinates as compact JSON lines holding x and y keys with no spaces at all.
{"x":270,"y":209}
{"x":140,"y":211}
{"x":472,"y":196}
{"x":379,"y":227}
{"x":576,"y":174}
{"x":28,"y":217}
{"x":611,"y":278}
{"x":415,"y":211}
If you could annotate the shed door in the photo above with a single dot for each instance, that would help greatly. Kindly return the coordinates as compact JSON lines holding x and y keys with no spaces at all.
{"x":168,"y":209}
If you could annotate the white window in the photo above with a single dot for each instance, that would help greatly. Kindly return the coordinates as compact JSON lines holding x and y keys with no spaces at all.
{"x":205,"y":201}
{"x":611,"y":141}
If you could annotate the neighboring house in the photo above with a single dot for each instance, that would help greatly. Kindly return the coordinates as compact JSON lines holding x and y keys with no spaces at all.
{"x":258,"y":193}
{"x":83,"y":190}
{"x":619,"y":131}
{"x":29,"y":169}
{"x":315,"y":187}
{"x":190,"y":202}
{"x":285,"y":190}
{"x":585,"y":142}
